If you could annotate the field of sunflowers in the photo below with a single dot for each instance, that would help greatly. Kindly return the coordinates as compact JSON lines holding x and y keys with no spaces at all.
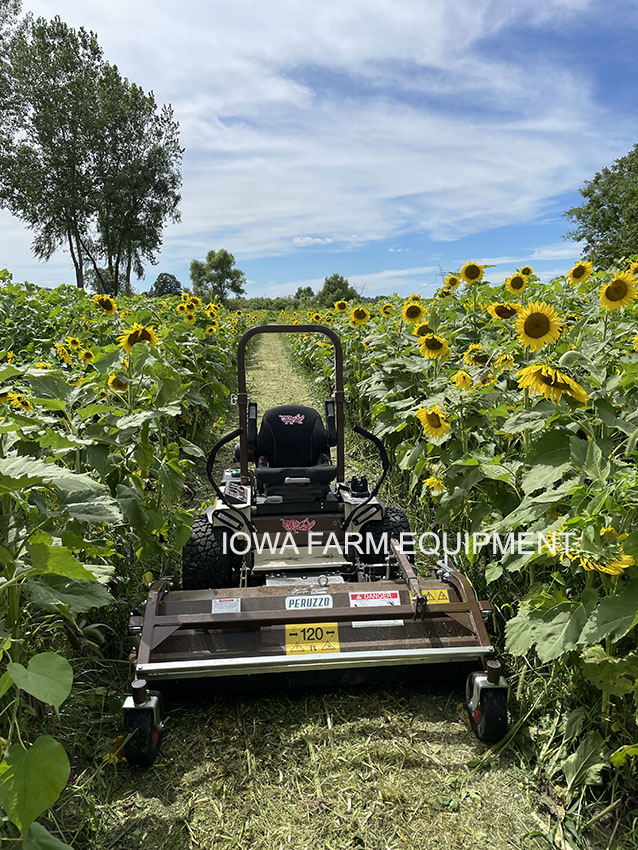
{"x":509,"y":408}
{"x":513,"y":408}
{"x":102,"y":405}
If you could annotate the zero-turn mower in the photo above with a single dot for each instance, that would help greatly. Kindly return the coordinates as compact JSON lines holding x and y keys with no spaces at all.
{"x":297,"y":571}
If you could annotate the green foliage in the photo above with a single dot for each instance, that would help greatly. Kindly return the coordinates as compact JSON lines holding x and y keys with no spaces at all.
{"x":607,"y":221}
{"x":87,"y":160}
{"x":216,"y":279}
{"x":165,"y":284}
{"x":335,"y":288}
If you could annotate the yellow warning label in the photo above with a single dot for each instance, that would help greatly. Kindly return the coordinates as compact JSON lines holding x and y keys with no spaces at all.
{"x":319,"y":637}
{"x":434,"y":594}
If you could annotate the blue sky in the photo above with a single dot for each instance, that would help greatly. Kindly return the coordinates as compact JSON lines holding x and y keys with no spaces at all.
{"x":382,"y":140}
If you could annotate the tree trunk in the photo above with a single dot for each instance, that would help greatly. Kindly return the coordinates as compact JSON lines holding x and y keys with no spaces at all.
{"x":76,"y":256}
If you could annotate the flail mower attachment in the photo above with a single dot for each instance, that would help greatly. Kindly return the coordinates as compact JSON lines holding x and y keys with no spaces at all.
{"x":296,"y":572}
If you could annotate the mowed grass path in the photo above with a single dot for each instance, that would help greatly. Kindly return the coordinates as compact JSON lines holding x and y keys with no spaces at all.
{"x":376,"y":768}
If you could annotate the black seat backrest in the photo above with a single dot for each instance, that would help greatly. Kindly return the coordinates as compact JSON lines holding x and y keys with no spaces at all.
{"x":292,"y":435}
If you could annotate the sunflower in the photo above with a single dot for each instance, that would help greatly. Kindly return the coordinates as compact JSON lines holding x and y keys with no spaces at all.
{"x":413,"y":311}
{"x":434,"y":347}
{"x":19,"y":402}
{"x":190,"y":307}
{"x":580,"y":272}
{"x":537,"y":325}
{"x":422,"y":329}
{"x":211,"y":311}
{"x":238,"y":313}
{"x":502,"y":310}
{"x":475,"y":356}
{"x":612,"y":558}
{"x":619,"y":292}
{"x":137,"y":333}
{"x":62,"y":352}
{"x":452,"y":281}
{"x":73,"y":342}
{"x":316,"y":318}
{"x":86,"y":356}
{"x":472,"y":272}
{"x":359,"y":315}
{"x":40,"y":364}
{"x":124,"y":314}
{"x":526,"y":271}
{"x":414,"y":297}
{"x":107,"y":304}
{"x":185,"y":296}
{"x":633,"y":268}
{"x":634,"y":342}
{"x":341,"y":306}
{"x":387,"y":310}
{"x":435,"y":485}
{"x":462,"y":380}
{"x":117,"y":385}
{"x":196,"y":301}
{"x":516,"y":283}
{"x":5,"y":396}
{"x":504,"y":361}
{"x":212,"y":328}
{"x":433,"y":421}
{"x":190,"y":318}
{"x":181,"y":307}
{"x":551,"y":383}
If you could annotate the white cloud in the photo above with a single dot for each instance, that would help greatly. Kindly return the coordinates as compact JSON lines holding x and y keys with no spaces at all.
{"x":310,"y":240}
{"x":362,"y":118}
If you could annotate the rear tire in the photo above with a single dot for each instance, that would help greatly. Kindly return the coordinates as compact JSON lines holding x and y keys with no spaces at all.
{"x":489,"y":719}
{"x":204,"y":562}
{"x":394,"y":523}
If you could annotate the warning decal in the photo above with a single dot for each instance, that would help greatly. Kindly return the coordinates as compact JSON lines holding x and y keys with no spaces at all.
{"x":320,"y":637}
{"x":435,"y":594}
{"x":373,"y":599}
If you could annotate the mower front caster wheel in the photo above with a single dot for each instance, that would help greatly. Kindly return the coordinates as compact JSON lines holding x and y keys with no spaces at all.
{"x":142,"y":747}
{"x":488,"y":718}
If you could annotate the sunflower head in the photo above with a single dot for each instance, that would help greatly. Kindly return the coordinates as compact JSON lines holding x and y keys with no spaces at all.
{"x":434,"y":347}
{"x":359,"y":316}
{"x":475,"y":356}
{"x":190,"y":317}
{"x":551,"y":383}
{"x":619,"y":292}
{"x":413,"y":297}
{"x":341,"y":306}
{"x":580,"y":272}
{"x":117,"y":384}
{"x":316,"y":318}
{"x":85,"y":355}
{"x":504,"y":361}
{"x":472,"y":272}
{"x":422,"y":329}
{"x":462,"y":380}
{"x":433,"y":421}
{"x":537,"y":325}
{"x":181,"y":307}
{"x":502,"y":310}
{"x":196,"y":301}
{"x":435,"y":485}
{"x":40,"y":364}
{"x":387,"y":310}
{"x":413,"y":312}
{"x":526,"y":271}
{"x":633,"y":268}
{"x":106,"y":303}
{"x":137,"y":333}
{"x":516,"y":283}
{"x":73,"y":342}
{"x":452,"y":281}
{"x":212,"y":328}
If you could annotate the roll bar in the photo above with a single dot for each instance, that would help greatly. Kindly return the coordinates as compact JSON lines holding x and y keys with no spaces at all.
{"x":242,"y":395}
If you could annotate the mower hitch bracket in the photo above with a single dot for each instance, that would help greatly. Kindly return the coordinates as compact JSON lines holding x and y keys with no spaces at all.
{"x":419,"y":601}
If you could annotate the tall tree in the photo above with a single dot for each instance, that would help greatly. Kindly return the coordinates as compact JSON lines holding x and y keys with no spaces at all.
{"x":336,"y":288}
{"x":88,"y":162}
{"x":607,"y":223}
{"x":216,"y":278}
{"x":165,"y":284}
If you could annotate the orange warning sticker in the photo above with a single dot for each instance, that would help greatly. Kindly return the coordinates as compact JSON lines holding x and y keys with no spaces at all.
{"x":318,"y":637}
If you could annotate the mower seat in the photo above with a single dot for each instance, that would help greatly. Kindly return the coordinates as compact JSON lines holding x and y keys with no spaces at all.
{"x":293,"y":454}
